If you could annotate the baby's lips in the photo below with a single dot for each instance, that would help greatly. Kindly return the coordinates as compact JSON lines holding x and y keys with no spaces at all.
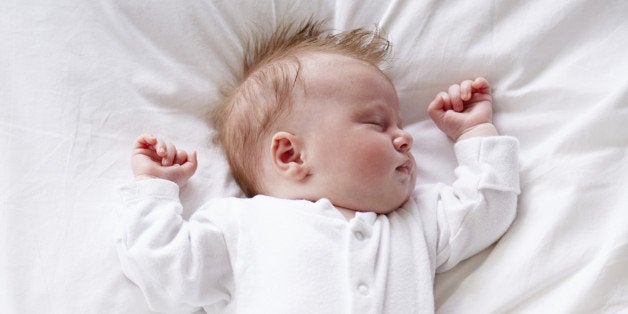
{"x":406,"y":167}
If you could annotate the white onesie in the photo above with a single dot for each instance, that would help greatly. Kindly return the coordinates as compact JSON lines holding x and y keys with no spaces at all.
{"x":270,"y":255}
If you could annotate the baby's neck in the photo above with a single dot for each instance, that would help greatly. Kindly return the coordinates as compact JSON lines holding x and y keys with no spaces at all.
{"x":347,"y":213}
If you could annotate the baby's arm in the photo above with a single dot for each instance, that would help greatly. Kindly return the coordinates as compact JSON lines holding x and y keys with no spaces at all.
{"x":179,"y":265}
{"x":156,"y":158}
{"x":481,"y":204}
{"x":465,"y":110}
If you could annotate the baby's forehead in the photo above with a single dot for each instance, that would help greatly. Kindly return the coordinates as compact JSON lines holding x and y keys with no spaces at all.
{"x":323,"y":63}
{"x":342,"y":80}
{"x":334,"y":70}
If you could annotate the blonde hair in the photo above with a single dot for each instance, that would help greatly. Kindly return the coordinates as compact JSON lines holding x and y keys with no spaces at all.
{"x":252,"y":106}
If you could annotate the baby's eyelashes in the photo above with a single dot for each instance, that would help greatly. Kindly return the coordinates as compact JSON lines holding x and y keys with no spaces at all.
{"x":380,"y":126}
{"x":379,"y":119}
{"x":374,"y":120}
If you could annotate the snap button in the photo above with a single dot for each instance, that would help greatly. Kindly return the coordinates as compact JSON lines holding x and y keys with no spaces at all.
{"x":359,"y":235}
{"x":363,"y":289}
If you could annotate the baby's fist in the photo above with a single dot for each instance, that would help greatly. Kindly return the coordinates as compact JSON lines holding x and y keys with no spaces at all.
{"x":156,"y":158}
{"x":465,"y":110}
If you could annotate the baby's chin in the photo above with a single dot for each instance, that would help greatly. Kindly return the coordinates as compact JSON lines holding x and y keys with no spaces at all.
{"x":392,"y":208}
{"x":380,"y":207}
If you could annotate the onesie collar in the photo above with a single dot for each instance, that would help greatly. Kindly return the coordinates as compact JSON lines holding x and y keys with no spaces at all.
{"x":328,"y":209}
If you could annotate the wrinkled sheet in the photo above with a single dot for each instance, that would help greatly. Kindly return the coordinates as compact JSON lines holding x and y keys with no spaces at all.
{"x":80,"y":80}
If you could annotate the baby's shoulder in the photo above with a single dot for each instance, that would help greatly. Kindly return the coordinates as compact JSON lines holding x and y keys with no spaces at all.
{"x":244,"y":203}
{"x":237,"y":216}
{"x":250,"y":207}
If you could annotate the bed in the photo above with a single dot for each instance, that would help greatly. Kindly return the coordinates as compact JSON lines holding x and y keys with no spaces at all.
{"x":80,"y":80}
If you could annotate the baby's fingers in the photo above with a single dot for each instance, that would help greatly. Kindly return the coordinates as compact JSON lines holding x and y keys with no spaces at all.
{"x":170,"y":154}
{"x":185,"y":166}
{"x":446,"y":100}
{"x":189,"y":166}
{"x":481,"y":85}
{"x":166,"y":151}
{"x":436,"y":109}
{"x":145,"y":141}
{"x":181,"y":157}
{"x":466,"y":90}
{"x":145,"y":145}
{"x":456,"y":101}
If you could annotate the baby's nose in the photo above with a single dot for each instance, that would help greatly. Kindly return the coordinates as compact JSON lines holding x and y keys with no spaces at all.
{"x":403,"y":142}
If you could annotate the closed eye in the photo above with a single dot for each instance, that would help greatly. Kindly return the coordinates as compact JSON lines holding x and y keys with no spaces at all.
{"x":374,"y":117}
{"x":381,"y":126}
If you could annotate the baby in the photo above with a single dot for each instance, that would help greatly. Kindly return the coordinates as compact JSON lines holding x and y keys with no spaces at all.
{"x":334,"y":221}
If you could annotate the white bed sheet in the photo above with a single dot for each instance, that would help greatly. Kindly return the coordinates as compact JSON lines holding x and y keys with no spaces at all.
{"x":79,"y":80}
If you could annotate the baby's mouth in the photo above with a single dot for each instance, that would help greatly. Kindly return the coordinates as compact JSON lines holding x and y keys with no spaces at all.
{"x":406,"y":167}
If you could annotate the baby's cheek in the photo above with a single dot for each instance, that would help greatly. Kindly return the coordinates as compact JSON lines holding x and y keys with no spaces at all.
{"x":374,"y":161}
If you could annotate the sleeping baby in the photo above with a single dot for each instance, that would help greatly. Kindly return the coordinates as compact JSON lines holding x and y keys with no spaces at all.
{"x":333,"y":221}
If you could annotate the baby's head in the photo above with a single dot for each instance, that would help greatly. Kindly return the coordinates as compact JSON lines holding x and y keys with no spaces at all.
{"x":314,"y":117}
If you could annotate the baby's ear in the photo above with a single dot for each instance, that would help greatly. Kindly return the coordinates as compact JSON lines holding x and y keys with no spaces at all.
{"x":286,"y":156}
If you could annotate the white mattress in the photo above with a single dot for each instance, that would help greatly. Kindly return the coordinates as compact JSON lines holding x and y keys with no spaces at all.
{"x":79,"y":80}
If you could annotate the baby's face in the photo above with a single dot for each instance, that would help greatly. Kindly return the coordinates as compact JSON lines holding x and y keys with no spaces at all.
{"x":359,"y":156}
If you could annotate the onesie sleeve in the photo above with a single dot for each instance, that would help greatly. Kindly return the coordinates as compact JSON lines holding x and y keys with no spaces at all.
{"x":481,"y":204}
{"x":179,"y":265}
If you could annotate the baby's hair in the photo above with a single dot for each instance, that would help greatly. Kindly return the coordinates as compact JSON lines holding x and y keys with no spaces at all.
{"x":250,"y":108}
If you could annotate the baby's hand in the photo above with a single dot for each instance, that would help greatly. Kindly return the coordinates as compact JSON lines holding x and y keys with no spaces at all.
{"x":156,"y":158}
{"x":466,"y":110}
